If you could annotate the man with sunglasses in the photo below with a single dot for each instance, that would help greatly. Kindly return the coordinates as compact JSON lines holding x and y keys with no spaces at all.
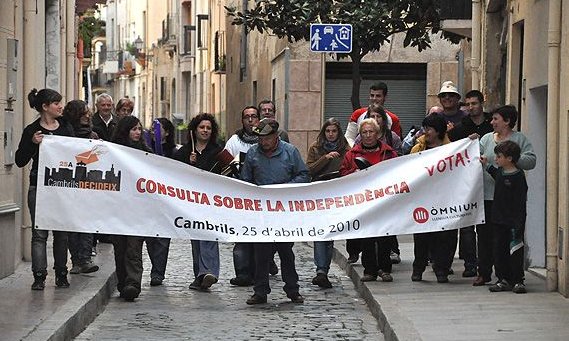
{"x":449,"y":98}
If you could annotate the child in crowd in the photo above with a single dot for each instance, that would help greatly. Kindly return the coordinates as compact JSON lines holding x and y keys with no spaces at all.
{"x":509,"y":217}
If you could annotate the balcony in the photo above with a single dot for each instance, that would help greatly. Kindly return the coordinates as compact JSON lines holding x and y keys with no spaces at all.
{"x":456,"y":17}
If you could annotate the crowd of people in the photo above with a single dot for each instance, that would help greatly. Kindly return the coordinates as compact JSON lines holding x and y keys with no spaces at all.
{"x":264,"y":156}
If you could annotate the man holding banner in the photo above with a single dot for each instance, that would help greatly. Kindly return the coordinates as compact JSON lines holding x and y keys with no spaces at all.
{"x":273,"y":161}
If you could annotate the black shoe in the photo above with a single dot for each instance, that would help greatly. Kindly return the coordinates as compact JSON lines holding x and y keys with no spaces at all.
{"x":442,"y":278}
{"x":61,"y":281}
{"x":39,"y":283}
{"x":207,"y":281}
{"x":395,"y":257}
{"x":88,"y":267}
{"x":322,"y":281}
{"x":274,"y":269}
{"x":480,"y":281}
{"x":500,"y":285}
{"x":416,"y":276}
{"x":296,"y":298}
{"x":469,"y":273}
{"x":155,"y":281}
{"x":353,"y":258}
{"x":256,"y":299}
{"x":368,"y":278}
{"x":519,"y":288}
{"x":196,"y":284}
{"x":129,"y":293}
{"x":241,"y":282}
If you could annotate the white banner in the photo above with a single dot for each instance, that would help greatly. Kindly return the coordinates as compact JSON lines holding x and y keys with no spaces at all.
{"x":97,"y":186}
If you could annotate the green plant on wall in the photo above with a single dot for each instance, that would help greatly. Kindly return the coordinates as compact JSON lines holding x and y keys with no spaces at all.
{"x":90,"y":27}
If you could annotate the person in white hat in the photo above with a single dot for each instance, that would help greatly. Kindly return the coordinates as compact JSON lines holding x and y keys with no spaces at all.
{"x":449,"y":98}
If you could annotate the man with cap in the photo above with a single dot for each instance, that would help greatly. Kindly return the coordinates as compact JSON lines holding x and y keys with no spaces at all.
{"x":273,"y":161}
{"x":268,"y":109}
{"x":449,"y":98}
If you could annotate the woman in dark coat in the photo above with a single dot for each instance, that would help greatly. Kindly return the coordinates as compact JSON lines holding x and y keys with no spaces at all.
{"x":128,"y":249}
{"x":201,"y":152}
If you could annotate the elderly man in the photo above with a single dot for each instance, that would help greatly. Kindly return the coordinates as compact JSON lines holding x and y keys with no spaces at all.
{"x":104,"y":122}
{"x":273,"y":161}
{"x":267,"y":109}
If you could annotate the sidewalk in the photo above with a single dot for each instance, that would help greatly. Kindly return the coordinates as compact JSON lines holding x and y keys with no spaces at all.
{"x":405,"y":310}
{"x":55,"y":313}
{"x":457,"y":310}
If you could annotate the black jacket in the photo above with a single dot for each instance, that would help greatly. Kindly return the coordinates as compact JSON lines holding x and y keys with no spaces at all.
{"x":105,"y":132}
{"x":467,"y":127}
{"x":27,"y":150}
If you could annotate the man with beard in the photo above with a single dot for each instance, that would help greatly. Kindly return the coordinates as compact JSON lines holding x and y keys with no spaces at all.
{"x":273,"y":161}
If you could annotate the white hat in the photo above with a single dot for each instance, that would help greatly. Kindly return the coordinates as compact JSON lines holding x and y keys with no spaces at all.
{"x":448,"y":86}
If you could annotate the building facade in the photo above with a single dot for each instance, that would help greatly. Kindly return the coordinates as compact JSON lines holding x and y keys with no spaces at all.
{"x":41,"y":40}
{"x":523,"y":61}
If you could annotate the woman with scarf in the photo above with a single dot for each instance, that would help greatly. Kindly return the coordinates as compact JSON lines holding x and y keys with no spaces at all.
{"x":324,"y":158}
{"x":375,"y":250}
{"x":78,"y":115}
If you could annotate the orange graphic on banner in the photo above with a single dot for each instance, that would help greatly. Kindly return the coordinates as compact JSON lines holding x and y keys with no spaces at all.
{"x":87,"y":157}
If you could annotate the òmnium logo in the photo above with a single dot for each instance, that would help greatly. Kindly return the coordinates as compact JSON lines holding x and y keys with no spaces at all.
{"x":421,"y":215}
{"x":93,"y":179}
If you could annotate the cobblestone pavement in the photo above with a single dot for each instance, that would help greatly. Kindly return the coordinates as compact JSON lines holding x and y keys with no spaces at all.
{"x":173,"y":312}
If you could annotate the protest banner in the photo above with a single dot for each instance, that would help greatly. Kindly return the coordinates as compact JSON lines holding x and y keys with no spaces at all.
{"x":100,"y":187}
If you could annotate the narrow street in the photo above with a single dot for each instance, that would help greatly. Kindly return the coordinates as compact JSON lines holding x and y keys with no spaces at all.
{"x":173,"y":312}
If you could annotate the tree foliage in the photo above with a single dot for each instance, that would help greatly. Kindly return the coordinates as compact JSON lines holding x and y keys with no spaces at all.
{"x":90,"y":27}
{"x":373,"y":22}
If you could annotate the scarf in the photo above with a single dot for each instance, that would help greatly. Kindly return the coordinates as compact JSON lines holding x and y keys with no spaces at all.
{"x":330,"y":146}
{"x":246,"y":137}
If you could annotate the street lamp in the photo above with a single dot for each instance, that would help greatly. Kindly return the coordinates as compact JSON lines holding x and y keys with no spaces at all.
{"x":140,"y":55}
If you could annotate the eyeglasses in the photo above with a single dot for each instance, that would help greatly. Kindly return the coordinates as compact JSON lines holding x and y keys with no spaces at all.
{"x":251,"y":117}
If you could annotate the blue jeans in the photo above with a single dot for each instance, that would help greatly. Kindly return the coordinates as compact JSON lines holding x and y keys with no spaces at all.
{"x":158,"y":249}
{"x":205,"y":256}
{"x":323,"y":251}
{"x":39,"y":244}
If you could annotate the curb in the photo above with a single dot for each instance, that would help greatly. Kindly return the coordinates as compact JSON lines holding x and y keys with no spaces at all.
{"x":392,"y":324}
{"x":70,"y":319}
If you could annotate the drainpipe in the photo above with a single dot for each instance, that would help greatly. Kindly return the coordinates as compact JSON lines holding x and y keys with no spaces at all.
{"x":286,"y":86}
{"x":70,"y":55}
{"x":553,"y":130}
{"x":34,"y":70}
{"x":476,"y":39}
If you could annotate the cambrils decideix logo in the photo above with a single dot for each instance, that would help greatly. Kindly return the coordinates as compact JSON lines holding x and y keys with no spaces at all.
{"x":81,"y":177}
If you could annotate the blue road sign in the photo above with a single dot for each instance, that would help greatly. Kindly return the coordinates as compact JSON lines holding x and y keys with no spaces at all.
{"x":335,"y":38}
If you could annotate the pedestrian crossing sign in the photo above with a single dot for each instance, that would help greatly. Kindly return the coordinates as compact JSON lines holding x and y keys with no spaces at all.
{"x":332,"y":38}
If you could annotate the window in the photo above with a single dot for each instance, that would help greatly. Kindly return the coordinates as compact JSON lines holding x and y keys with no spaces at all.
{"x":162,"y":88}
{"x":254,"y":93}
{"x":202,"y":31}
